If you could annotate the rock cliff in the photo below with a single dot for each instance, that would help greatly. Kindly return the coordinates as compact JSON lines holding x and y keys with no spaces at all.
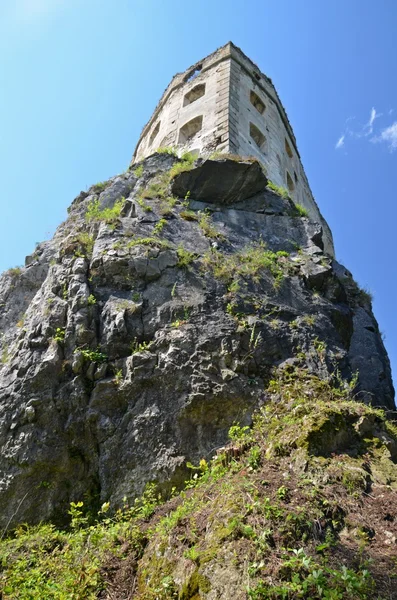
{"x":152,"y":322}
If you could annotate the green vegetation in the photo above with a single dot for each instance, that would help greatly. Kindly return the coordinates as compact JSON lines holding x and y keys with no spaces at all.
{"x":278,"y":189}
{"x":273,"y":512}
{"x":100,"y":186}
{"x":59,"y":335}
{"x":118,"y":377}
{"x":136,"y":346}
{"x":143,"y":204}
{"x":14,"y":272}
{"x":91,"y":300}
{"x":81,"y":245}
{"x":364,"y":295}
{"x":235,"y":157}
{"x":86,"y":242}
{"x":207,"y":227}
{"x":249,"y":262}
{"x":92,"y":355}
{"x":185,"y":258}
{"x":109,"y":215}
{"x":41,"y":562}
{"x":138,"y":172}
{"x":189,"y":215}
{"x":167,"y":150}
{"x":303,"y":212}
{"x":149,"y":241}
{"x":186,"y":164}
{"x":158,"y":228}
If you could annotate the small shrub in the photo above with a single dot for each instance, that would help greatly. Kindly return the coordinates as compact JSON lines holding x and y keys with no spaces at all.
{"x":138,"y":172}
{"x":14,"y":271}
{"x":136,"y":346}
{"x":207,"y":227}
{"x":149,"y":241}
{"x":59,"y":335}
{"x":309,"y":320}
{"x":365,"y":295}
{"x":188,"y":157}
{"x":158,"y":228}
{"x":185,"y":258}
{"x":189,"y":215}
{"x":167,"y":150}
{"x":91,"y":300}
{"x":118,"y":376}
{"x":278,"y":189}
{"x":180,"y":167}
{"x":237,"y":433}
{"x":248,"y":262}
{"x":100,"y":186}
{"x":86,"y":241}
{"x":92,"y":355}
{"x":145,"y":207}
{"x":109,"y":215}
{"x":303,"y":212}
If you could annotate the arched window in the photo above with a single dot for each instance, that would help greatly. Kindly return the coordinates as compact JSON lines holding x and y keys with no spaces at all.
{"x":190,"y":129}
{"x":288,"y":148}
{"x":258,"y":137}
{"x":290,"y":183}
{"x":154,"y":133}
{"x":195,"y":93}
{"x":257,"y":102}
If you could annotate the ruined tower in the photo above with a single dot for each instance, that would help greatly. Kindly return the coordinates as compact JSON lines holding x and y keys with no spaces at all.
{"x":224,"y":103}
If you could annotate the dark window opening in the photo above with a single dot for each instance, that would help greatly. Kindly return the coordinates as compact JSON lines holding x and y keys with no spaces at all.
{"x":190,"y":129}
{"x":290,"y":183}
{"x":288,"y":148}
{"x":295,"y":177}
{"x":258,"y":137}
{"x":257,"y":102}
{"x":195,"y":93}
{"x":154,"y":133}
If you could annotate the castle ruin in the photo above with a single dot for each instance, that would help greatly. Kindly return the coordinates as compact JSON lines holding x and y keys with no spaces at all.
{"x":225,"y":104}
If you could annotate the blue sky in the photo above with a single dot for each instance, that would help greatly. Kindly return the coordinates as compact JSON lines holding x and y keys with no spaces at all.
{"x":80,"y":78}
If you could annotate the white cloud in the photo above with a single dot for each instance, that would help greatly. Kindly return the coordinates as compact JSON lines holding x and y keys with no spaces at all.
{"x":340,"y":142}
{"x":369,"y":127}
{"x":389,"y":136}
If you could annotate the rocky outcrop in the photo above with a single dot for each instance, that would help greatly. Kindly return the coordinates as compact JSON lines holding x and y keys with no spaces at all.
{"x":134,"y":339}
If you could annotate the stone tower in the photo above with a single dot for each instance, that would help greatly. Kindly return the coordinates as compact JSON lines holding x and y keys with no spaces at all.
{"x":224,"y":103}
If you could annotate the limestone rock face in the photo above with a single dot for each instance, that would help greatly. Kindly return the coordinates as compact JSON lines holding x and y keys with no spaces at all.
{"x":221,"y":181}
{"x":131,"y":343}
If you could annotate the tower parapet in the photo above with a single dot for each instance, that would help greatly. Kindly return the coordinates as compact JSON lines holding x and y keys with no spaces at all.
{"x":225,"y":104}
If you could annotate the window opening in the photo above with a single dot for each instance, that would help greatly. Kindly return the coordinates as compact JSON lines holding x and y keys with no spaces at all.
{"x":190,"y":129}
{"x":154,"y":133}
{"x":257,"y":136}
{"x":195,"y":93}
{"x":288,"y":148}
{"x":257,"y":102}
{"x":290,"y":183}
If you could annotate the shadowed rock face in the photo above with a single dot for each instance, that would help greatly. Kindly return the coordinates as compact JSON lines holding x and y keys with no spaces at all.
{"x":129,"y":348}
{"x":222,"y":182}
